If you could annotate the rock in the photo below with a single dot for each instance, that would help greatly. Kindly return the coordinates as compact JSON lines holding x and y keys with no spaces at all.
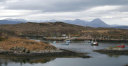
{"x":19,"y":50}
{"x":113,"y":48}
{"x":126,"y":65}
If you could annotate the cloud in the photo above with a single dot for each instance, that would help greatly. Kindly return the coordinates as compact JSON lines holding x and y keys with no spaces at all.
{"x":61,"y":5}
{"x":3,"y":0}
{"x":123,"y":9}
{"x":16,"y":13}
{"x":111,"y":11}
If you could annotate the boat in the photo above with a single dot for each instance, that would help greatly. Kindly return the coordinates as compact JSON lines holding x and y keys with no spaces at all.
{"x":54,"y":42}
{"x":121,"y":46}
{"x":67,"y":41}
{"x":94,"y":43}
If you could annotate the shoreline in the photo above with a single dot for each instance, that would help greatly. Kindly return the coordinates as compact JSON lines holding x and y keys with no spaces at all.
{"x":46,"y":54}
{"x":112,"y":52}
{"x":86,"y":39}
{"x":126,"y":41}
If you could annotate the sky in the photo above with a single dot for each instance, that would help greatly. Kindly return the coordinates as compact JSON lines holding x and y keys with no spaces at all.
{"x":110,"y":11}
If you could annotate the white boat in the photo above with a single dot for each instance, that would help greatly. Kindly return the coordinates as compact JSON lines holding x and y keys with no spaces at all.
{"x":54,"y":42}
{"x":94,"y":43}
{"x":67,"y":41}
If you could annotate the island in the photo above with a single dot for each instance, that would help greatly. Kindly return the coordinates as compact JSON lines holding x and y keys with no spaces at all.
{"x":16,"y":46}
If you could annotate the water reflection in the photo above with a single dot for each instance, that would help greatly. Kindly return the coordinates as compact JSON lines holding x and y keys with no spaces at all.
{"x":94,"y":47}
{"x":111,"y":55}
{"x":22,"y":60}
{"x":8,"y":59}
{"x":97,"y":59}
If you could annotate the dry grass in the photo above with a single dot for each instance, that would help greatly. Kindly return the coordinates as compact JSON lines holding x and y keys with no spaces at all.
{"x":26,"y":43}
{"x":99,"y":31}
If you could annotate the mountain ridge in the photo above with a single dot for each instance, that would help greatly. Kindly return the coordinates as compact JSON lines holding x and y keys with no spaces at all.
{"x":12,"y":21}
{"x":94,"y":23}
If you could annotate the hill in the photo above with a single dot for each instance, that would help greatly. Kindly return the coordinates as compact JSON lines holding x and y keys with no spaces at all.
{"x":51,"y":29}
{"x":12,"y":21}
{"x":46,"y":29}
{"x":121,"y":27}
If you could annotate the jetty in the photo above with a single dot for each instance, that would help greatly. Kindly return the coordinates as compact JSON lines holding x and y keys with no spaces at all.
{"x":83,"y":39}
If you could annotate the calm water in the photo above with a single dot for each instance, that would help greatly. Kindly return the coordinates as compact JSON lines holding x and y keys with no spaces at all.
{"x":96,"y":59}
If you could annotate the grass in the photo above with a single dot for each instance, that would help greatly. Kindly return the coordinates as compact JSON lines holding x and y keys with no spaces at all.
{"x":26,"y":43}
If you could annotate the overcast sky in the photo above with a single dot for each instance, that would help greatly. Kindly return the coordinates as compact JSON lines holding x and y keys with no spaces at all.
{"x":110,"y":11}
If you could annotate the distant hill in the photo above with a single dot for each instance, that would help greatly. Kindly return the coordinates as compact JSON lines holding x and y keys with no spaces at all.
{"x":12,"y":21}
{"x":121,"y":27}
{"x":77,"y":22}
{"x":93,"y":23}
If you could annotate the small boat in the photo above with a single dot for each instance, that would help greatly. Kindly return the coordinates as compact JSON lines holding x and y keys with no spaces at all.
{"x":67,"y":41}
{"x":54,"y":42}
{"x":94,"y":43}
{"x":121,"y":46}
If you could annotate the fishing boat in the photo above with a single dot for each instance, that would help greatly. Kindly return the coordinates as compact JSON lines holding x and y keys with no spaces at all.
{"x":121,"y":46}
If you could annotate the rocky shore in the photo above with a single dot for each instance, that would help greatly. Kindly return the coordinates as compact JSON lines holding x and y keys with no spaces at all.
{"x":126,"y":65}
{"x":40,"y":57}
{"x":59,"y":53}
{"x":112,"y":52}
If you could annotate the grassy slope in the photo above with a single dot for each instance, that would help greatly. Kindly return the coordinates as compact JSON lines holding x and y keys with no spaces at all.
{"x":29,"y":44}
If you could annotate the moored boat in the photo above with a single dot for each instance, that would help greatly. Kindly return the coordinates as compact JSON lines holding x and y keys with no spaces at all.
{"x":67,"y":41}
{"x":94,"y":43}
{"x":121,"y":46}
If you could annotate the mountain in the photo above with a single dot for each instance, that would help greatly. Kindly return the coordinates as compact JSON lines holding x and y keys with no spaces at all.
{"x":77,"y":22}
{"x":12,"y":21}
{"x":93,"y":23}
{"x":98,"y":23}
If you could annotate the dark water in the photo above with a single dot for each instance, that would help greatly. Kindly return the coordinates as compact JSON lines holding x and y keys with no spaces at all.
{"x":96,"y":59}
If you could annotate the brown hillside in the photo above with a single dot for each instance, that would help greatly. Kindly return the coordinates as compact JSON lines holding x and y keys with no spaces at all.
{"x":25,"y":43}
{"x":59,"y":28}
